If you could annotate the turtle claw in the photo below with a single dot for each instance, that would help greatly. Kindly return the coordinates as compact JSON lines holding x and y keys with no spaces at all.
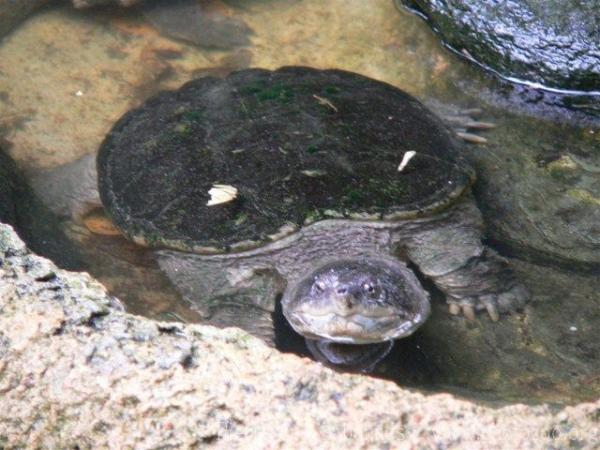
{"x":463,"y":307}
{"x":469,"y":312}
{"x":454,"y":309}
{"x":463,"y":122}
{"x":471,"y":138}
{"x":492,"y":311}
{"x":467,"y":123}
{"x":476,"y":125}
{"x":494,"y":304}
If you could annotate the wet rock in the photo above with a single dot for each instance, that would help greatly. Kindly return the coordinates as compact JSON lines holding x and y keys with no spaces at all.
{"x":560,"y":108}
{"x":8,"y":188}
{"x":552,"y":43}
{"x":12,"y":12}
{"x":91,"y":376}
{"x":201,"y":23}
{"x":90,"y":3}
{"x":207,"y":23}
{"x":539,"y":191}
{"x":537,"y":186}
{"x":20,"y":207}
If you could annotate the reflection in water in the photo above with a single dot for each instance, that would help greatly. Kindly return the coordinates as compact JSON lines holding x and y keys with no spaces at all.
{"x":538,"y":181}
{"x":131,"y":273}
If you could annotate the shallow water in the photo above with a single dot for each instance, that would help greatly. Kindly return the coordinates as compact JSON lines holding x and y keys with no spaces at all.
{"x":66,"y":76}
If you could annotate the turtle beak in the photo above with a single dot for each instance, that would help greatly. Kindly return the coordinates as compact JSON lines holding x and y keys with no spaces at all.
{"x":344,"y":302}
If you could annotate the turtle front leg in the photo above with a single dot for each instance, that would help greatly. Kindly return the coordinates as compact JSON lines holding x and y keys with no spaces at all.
{"x":448,"y":250}
{"x":485,"y":282}
{"x":226,"y":292}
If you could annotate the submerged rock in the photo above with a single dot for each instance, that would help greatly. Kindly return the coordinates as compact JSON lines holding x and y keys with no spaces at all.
{"x":552,"y":43}
{"x":539,"y":191}
{"x":90,"y":3}
{"x":200,"y":23}
{"x":90,"y":376}
{"x":205,"y":23}
{"x":13,"y":12}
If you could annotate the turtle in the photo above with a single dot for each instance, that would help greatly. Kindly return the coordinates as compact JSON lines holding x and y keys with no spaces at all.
{"x":322,"y":189}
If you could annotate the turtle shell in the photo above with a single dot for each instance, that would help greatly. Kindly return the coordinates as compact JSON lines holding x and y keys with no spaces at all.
{"x":298,"y":145}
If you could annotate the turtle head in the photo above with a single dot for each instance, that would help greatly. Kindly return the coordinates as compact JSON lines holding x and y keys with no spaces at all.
{"x":357,"y":301}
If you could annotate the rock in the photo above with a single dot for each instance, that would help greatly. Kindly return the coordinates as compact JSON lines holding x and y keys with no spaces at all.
{"x":91,"y":376}
{"x":38,"y":226}
{"x":90,"y":3}
{"x":200,"y":23}
{"x":13,"y":12}
{"x":541,"y":196}
{"x":8,"y":188}
{"x":552,"y":43}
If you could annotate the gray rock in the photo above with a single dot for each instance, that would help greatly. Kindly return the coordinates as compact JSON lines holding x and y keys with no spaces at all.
{"x":552,"y":43}
{"x":89,"y":375}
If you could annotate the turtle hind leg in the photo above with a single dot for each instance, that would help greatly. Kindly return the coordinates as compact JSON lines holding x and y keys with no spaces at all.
{"x":70,"y":190}
{"x":448,"y":250}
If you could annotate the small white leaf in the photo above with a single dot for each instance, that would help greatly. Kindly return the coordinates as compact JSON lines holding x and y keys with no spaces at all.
{"x":313,"y":173}
{"x":221,"y":193}
{"x":406,"y":159}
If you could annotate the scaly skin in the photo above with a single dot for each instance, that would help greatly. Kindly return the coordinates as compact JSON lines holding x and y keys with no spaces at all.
{"x":326,"y":270}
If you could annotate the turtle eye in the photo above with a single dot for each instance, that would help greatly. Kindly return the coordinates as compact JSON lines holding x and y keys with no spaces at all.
{"x":369,"y":288}
{"x":319,"y":286}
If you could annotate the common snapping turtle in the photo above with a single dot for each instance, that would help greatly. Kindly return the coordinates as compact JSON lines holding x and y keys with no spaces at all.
{"x":324,"y":187}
